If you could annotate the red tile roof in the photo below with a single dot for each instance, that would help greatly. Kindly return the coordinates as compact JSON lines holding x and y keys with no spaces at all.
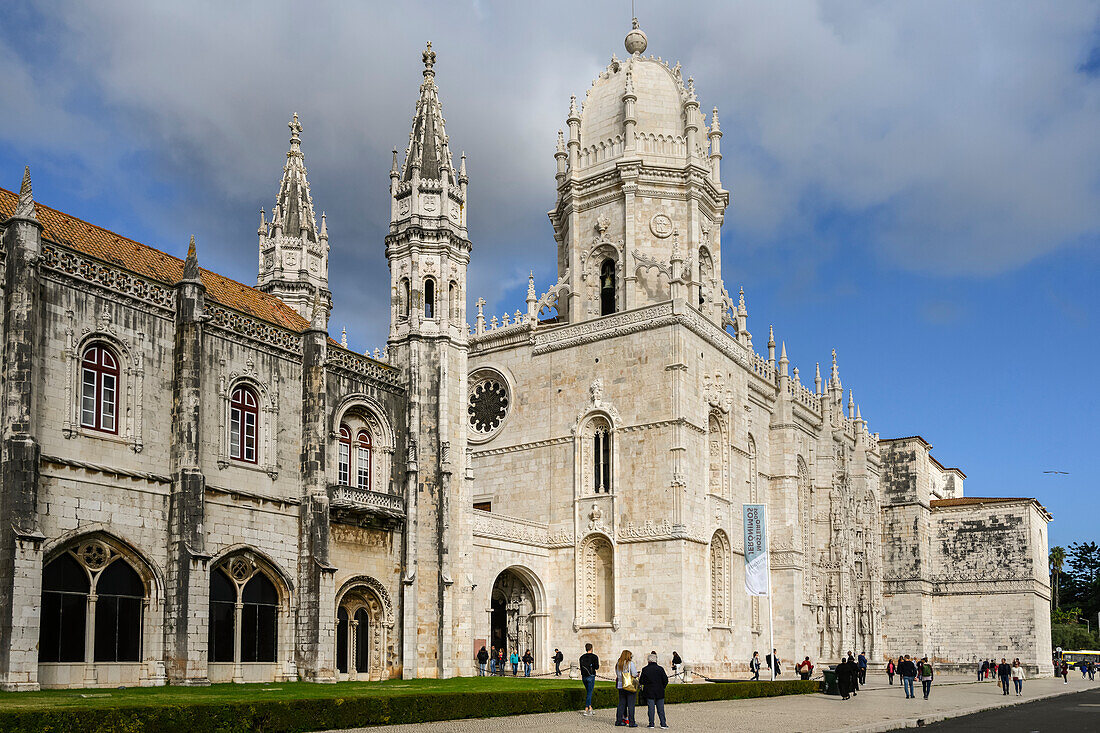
{"x":141,"y":259}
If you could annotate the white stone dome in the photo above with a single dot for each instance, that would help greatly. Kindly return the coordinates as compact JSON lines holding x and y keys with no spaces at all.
{"x":659,"y":106}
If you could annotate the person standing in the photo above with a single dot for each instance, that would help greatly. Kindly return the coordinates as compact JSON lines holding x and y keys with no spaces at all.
{"x":654,"y":680}
{"x":676,"y":663}
{"x":845,"y":678}
{"x":1004,"y":672}
{"x":754,"y":666}
{"x":891,"y":670}
{"x":513,"y":658}
{"x":908,"y":672}
{"x":982,"y":669}
{"x":1018,"y":677}
{"x":926,"y":676}
{"x":863,"y":668}
{"x":527,"y":660}
{"x":626,"y":680}
{"x":493,"y":660}
{"x":500,"y":661}
{"x":589,"y":664}
{"x":773,"y":663}
{"x":805,"y":668}
{"x":558,"y":659}
{"x":1065,"y":672}
{"x":482,"y":658}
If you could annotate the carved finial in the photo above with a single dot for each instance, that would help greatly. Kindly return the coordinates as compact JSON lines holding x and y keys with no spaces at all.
{"x":629,"y":91}
{"x":691,"y":88}
{"x":263,"y":223}
{"x":596,"y":390}
{"x":191,"y":264}
{"x":505,"y":319}
{"x":324,"y":226}
{"x":319,"y":313}
{"x":834,"y":377}
{"x":531,"y":285}
{"x":817,"y":379}
{"x":462,"y":165}
{"x":429,"y":60}
{"x":851,"y":405}
{"x":771,"y":337}
{"x":394,"y":168}
{"x":295,"y":131}
{"x":25,"y":208}
{"x":636,"y":40}
{"x":741,"y":310}
{"x":714,"y":126}
{"x":344,"y":337}
{"x":561,"y":141}
{"x":480,"y":307}
{"x":573,"y":106}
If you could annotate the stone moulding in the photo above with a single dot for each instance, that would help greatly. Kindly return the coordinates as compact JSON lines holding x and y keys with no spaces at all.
{"x":619,"y":324}
{"x":361,"y":366}
{"x":102,"y":468}
{"x":510,"y":529}
{"x":242,"y":325}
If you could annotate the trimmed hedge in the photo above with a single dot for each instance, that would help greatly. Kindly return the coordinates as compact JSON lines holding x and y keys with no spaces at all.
{"x":299,"y":716}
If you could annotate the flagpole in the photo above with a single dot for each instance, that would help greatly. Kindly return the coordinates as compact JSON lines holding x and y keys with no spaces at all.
{"x":768,"y":559}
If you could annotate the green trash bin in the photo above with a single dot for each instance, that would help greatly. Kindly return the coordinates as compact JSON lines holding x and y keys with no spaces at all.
{"x":830,"y":682}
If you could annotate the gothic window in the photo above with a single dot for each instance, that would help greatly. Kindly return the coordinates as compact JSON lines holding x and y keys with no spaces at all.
{"x":599,"y":581}
{"x":361,"y":629}
{"x":752,"y":471}
{"x":488,"y":403}
{"x":607,"y":287}
{"x":716,"y":456}
{"x":452,"y":300}
{"x":91,"y":580}
{"x":720,"y":579}
{"x":601,"y":459}
{"x":362,"y":640}
{"x":429,"y":297}
{"x":342,"y":640}
{"x":363,"y":450}
{"x":244,"y":613}
{"x":243,"y":419}
{"x":99,"y":389}
{"x":406,"y":298}
{"x":343,"y":461}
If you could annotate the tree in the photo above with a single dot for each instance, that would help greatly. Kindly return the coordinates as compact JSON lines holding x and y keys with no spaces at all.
{"x":1081,"y":581}
{"x":1057,"y":562}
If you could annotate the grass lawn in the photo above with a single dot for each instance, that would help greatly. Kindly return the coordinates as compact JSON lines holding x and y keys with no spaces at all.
{"x":224,"y":693}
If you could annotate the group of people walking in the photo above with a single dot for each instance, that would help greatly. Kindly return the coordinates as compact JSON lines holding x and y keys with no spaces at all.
{"x":1003,"y":671}
{"x":493,"y":662}
{"x":911,"y":670}
{"x":651,"y":682}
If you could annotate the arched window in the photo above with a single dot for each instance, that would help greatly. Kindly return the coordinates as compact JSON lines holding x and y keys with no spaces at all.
{"x":243,"y":419}
{"x":406,"y":297}
{"x":259,"y":612}
{"x":222,"y":629}
{"x":716,"y":456}
{"x":720,"y":579}
{"x":607,"y":287}
{"x":429,"y":297}
{"x":601,"y":459}
{"x":706,"y":275}
{"x":362,"y":640}
{"x":452,"y":299}
{"x":599,"y":581}
{"x":752,"y":474}
{"x":363,"y":450}
{"x":99,"y":389}
{"x":343,"y":470}
{"x":119,"y":597}
{"x":342,"y":640}
{"x":91,"y":580}
{"x":64,"y":611}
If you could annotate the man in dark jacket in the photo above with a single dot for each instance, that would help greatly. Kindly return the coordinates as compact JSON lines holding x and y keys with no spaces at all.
{"x":558,"y":659}
{"x":908,"y":672}
{"x":482,"y":658}
{"x":1004,"y":673}
{"x":589,"y":664}
{"x":862,"y":668}
{"x":654,"y":680}
{"x":773,"y":662}
{"x":845,"y":678}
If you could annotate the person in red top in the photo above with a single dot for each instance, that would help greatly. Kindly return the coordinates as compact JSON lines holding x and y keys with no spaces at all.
{"x":805,"y":668}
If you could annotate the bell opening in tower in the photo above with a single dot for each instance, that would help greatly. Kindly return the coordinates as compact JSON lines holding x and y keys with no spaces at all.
{"x":607,"y":287}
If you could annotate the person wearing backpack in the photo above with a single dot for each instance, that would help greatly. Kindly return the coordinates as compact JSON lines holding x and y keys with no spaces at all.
{"x":626,"y":680}
{"x":654,"y":681}
{"x":482,"y":658}
{"x":754,"y":666}
{"x":926,"y":676}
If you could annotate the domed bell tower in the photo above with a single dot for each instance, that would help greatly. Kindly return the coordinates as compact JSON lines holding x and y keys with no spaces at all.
{"x":428,"y":251}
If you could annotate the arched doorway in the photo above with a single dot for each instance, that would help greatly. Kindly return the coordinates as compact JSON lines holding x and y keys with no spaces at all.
{"x":516,"y":616}
{"x":363,"y":620}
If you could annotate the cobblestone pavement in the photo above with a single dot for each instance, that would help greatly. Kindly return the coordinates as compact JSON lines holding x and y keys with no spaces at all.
{"x":878,"y":707}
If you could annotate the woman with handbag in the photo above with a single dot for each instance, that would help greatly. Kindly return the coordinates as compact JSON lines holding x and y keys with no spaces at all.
{"x":626,"y":679}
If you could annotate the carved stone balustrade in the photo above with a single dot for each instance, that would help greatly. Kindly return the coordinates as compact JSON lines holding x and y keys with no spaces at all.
{"x":353,"y":505}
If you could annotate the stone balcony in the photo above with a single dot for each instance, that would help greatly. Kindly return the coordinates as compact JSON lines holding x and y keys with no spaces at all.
{"x":352,"y":505}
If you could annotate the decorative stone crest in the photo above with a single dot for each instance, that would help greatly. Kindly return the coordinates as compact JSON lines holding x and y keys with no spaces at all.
{"x":661,"y":226}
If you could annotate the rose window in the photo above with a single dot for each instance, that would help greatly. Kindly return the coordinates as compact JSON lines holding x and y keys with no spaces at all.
{"x":488,"y":405}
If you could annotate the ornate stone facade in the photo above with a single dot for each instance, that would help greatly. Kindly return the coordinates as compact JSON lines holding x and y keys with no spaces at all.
{"x":280,"y":507}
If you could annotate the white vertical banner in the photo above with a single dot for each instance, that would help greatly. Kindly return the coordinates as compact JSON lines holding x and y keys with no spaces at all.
{"x":756,"y":549}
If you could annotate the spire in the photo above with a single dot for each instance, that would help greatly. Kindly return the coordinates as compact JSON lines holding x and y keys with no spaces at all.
{"x":191,"y":264}
{"x":783,"y":362}
{"x":462,"y":166}
{"x":428,"y":149}
{"x":25,"y":208}
{"x":324,"y":226}
{"x":741,"y":310}
{"x":344,"y":337}
{"x":293,"y":212}
{"x":817,"y":379}
{"x":714,"y":127}
{"x":262,"y":230}
{"x":573,"y":113}
{"x":319,"y":314}
{"x":396,"y":167}
{"x":834,"y":377}
{"x":851,"y":405}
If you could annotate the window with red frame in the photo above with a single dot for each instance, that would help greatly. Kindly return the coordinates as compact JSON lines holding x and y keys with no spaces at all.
{"x":243,"y":418}
{"x":99,"y":389}
{"x":363,"y":459}
{"x":344,"y":460}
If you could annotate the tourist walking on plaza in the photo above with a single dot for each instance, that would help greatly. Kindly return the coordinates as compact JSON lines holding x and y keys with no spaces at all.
{"x":654,"y":680}
{"x":482,"y":658}
{"x":846,"y":678}
{"x":805,"y":668}
{"x":1004,"y":672}
{"x":676,"y":662}
{"x":500,"y":662}
{"x":1064,"y":672}
{"x":527,"y":660}
{"x":891,"y":670}
{"x":626,"y":680}
{"x":926,"y":676}
{"x":855,"y":672}
{"x":863,"y":668}
{"x":1018,"y":676}
{"x":773,"y":662}
{"x":754,"y":665}
{"x":589,"y":664}
{"x":908,"y":672}
{"x":558,"y":659}
{"x":513,"y":658}
{"x":1092,"y":671}
{"x":1084,"y":670}
{"x":983,"y":669}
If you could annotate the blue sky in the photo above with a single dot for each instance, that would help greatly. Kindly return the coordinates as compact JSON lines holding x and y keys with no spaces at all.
{"x":914,"y":184}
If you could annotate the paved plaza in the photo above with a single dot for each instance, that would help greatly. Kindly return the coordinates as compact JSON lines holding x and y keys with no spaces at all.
{"x":878,"y":707}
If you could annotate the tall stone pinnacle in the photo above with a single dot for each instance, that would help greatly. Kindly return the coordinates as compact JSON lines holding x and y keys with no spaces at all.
{"x":191,"y":264}
{"x":25,"y":208}
{"x":428,"y":152}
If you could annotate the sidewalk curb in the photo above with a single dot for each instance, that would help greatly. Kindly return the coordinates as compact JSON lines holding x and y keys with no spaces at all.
{"x":924,"y":720}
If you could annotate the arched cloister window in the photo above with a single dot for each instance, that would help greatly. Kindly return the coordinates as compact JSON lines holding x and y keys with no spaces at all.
{"x":99,"y":389}
{"x":601,"y":456}
{"x":429,"y":297}
{"x":406,"y":298}
{"x":363,"y":450}
{"x":243,"y":421}
{"x":342,"y":640}
{"x":91,"y":580}
{"x":720,"y":579}
{"x":607,"y":287}
{"x":599,"y":581}
{"x":362,"y":641}
{"x":244,"y":612}
{"x":343,"y":460}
